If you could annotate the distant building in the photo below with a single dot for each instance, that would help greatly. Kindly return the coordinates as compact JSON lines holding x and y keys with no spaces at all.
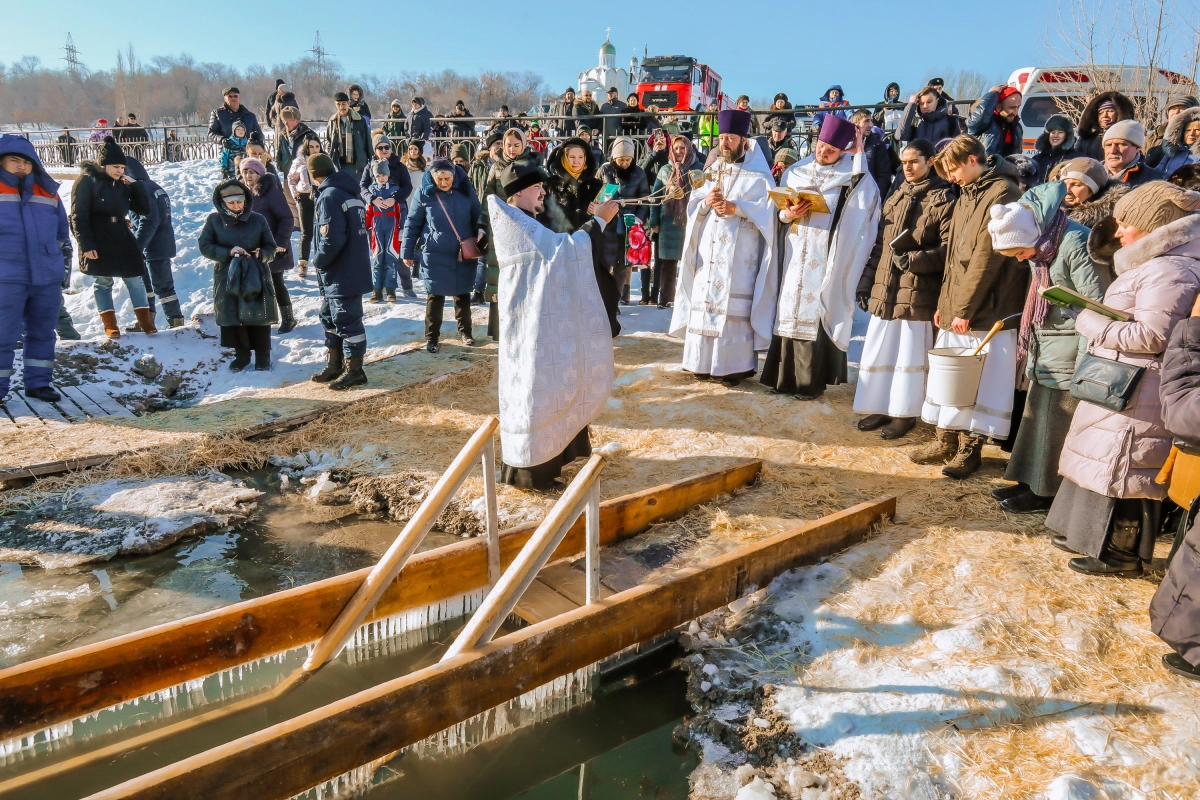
{"x":599,"y":79}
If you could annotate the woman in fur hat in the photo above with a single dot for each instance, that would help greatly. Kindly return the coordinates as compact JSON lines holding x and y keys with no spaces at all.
{"x":100,"y":206}
{"x":1101,"y":113}
{"x":1181,"y":142}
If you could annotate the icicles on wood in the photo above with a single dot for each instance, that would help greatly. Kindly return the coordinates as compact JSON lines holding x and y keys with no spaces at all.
{"x":549,"y":700}
{"x":408,"y":629}
{"x":224,"y":685}
{"x":345,"y":784}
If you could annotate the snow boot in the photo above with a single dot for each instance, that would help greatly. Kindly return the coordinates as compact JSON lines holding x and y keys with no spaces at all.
{"x":477,"y":298}
{"x":302,"y":269}
{"x":44,"y":393}
{"x":111,"y":328}
{"x":333,"y":367}
{"x":241,"y":360}
{"x":175,"y":322}
{"x":410,"y":294}
{"x":353,"y":376}
{"x":287,"y":321}
{"x":968,"y":458}
{"x":938,"y":450}
{"x":145,"y":318}
{"x":262,"y":360}
{"x":391,"y":295}
{"x":898,"y":427}
{"x":376,"y":297}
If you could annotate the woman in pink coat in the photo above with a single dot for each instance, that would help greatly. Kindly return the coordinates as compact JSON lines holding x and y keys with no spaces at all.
{"x":1109,"y":507}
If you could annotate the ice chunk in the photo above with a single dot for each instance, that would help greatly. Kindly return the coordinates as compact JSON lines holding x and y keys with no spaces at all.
{"x":324,"y":485}
{"x":757,"y":789}
{"x":710,"y":670}
{"x":759,"y":722}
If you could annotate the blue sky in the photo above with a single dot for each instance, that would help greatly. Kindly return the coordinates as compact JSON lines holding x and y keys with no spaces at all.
{"x":757,"y":48}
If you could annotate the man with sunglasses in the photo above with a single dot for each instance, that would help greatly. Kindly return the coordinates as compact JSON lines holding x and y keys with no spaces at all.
{"x":386,"y":151}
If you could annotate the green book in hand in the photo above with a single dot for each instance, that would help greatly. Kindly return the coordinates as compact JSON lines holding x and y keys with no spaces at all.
{"x":1069,"y":298}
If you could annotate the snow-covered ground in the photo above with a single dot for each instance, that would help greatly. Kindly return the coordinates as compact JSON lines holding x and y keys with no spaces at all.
{"x":190,"y":185}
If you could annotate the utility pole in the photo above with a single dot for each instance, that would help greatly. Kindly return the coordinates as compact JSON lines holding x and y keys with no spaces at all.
{"x":321,"y":60}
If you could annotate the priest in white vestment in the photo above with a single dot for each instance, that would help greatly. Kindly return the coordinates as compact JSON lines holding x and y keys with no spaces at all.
{"x":725,"y":297}
{"x":557,"y":305}
{"x":823,"y":256}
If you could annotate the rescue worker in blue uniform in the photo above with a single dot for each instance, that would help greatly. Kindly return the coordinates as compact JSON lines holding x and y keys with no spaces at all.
{"x":155,"y":234}
{"x":35,"y":245}
{"x":341,"y":255}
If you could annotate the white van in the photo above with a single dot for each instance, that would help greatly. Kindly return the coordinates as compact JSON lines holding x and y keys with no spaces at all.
{"x":1039,"y":86}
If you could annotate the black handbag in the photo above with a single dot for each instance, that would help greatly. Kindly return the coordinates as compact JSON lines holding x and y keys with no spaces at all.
{"x":1105,"y":382}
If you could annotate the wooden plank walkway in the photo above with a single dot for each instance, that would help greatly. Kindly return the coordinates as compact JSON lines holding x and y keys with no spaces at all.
{"x":76,"y":406}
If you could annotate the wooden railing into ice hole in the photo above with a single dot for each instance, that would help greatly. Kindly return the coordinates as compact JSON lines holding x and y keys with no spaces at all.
{"x":480,"y":446}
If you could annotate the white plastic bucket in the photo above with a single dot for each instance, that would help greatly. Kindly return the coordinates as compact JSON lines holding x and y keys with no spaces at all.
{"x":954,"y":376}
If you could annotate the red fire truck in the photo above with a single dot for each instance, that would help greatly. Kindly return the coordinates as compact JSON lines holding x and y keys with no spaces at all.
{"x":679,"y":83}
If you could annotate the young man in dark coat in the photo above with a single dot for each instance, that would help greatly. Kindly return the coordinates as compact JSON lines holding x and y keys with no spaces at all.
{"x":35,"y":248}
{"x":341,"y":255}
{"x":220,"y":122}
{"x":155,"y":233}
{"x":927,"y":116}
{"x":875,"y":158}
{"x":349,"y":138}
{"x":980,"y":286}
{"x":995,"y":121}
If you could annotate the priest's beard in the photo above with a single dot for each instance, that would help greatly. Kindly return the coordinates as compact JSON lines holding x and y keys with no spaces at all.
{"x":734,"y":154}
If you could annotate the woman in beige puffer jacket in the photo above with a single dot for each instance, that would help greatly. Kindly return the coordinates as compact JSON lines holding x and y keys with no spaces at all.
{"x":1109,"y":506}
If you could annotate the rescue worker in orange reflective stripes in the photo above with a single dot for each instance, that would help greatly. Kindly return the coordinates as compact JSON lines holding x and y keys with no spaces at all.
{"x":35,"y":247}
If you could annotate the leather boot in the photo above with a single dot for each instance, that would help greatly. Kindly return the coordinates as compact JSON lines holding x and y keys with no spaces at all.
{"x":353,"y":376}
{"x":1005,"y":492}
{"x":1120,"y":557}
{"x":111,"y":329}
{"x":145,"y":318}
{"x":898,"y":427}
{"x":333,"y":366}
{"x":968,"y":458}
{"x":873,"y":422}
{"x":938,"y":450}
{"x":287,"y":321}
{"x":262,"y":360}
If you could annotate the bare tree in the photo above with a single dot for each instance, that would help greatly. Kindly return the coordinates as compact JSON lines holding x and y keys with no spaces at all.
{"x":1145,"y":49}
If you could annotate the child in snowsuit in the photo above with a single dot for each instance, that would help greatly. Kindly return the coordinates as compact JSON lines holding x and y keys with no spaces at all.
{"x":384,"y":223}
{"x":232,"y":152}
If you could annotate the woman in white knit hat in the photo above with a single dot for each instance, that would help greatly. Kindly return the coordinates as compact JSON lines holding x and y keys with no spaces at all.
{"x":633,"y":184}
{"x":1036,"y":230}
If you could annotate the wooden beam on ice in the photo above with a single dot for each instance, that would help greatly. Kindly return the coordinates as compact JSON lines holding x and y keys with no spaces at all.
{"x":78,"y":682}
{"x":293,"y":756}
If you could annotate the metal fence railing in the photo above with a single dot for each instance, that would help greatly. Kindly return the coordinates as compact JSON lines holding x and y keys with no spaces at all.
{"x":66,"y":147}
